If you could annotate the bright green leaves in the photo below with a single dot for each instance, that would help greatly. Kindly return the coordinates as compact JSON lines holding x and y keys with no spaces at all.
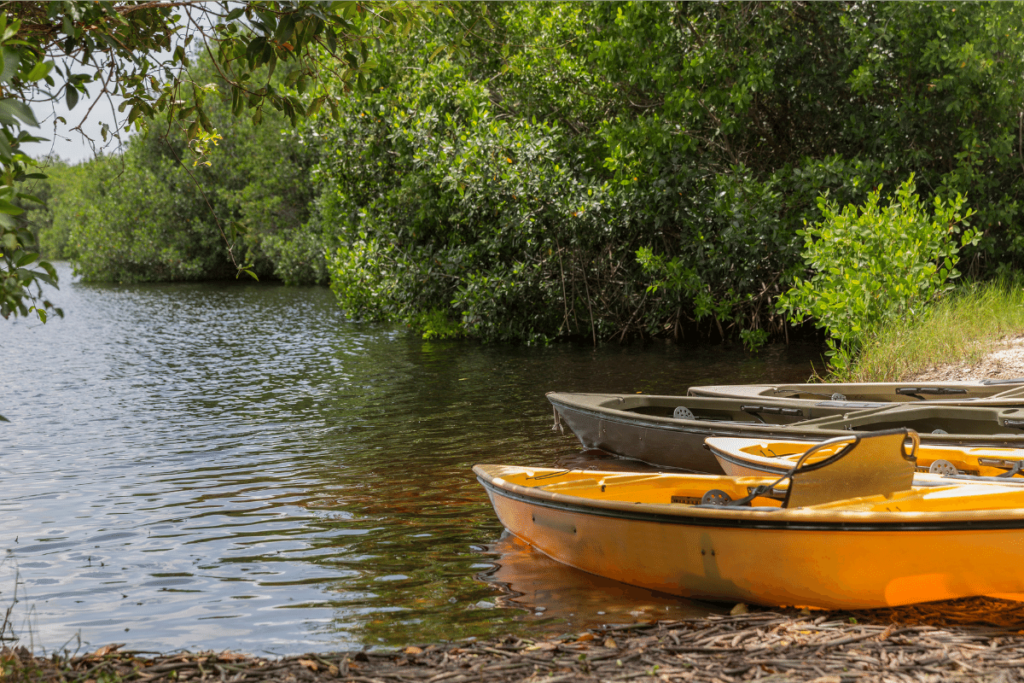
{"x":22,"y":272}
{"x":10,"y":60}
{"x":874,"y":264}
{"x":142,"y":53}
{"x":40,"y":71}
{"x":14,"y":113}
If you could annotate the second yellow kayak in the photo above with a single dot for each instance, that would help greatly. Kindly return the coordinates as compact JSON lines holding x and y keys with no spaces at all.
{"x":743,"y":457}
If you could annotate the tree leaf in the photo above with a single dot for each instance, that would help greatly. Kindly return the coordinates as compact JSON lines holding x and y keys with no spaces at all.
{"x":10,"y":209}
{"x":10,"y":64}
{"x":30,"y":197}
{"x":11,"y":108}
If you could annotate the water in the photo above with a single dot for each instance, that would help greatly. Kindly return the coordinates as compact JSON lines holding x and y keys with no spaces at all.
{"x":213,"y":466}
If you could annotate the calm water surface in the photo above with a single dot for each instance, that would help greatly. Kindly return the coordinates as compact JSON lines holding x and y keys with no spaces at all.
{"x":237,"y":466}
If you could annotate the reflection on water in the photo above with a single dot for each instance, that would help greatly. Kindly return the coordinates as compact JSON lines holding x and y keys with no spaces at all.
{"x":575,"y":600}
{"x":236,"y":466}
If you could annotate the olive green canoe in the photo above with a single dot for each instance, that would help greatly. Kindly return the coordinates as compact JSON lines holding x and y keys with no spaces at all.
{"x":996,"y":391}
{"x":669,"y":431}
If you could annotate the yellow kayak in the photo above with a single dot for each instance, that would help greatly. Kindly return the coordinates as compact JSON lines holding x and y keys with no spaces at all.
{"x":849,"y":531}
{"x":743,"y":457}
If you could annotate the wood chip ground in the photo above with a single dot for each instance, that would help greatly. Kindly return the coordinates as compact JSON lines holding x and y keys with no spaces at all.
{"x":966,"y":640}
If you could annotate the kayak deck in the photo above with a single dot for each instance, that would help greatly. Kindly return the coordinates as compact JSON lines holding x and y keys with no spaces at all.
{"x":744,"y":457}
{"x":681,"y":491}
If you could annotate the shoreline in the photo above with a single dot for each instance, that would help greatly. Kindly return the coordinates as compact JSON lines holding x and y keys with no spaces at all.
{"x":975,"y":638}
{"x":1003,"y":360}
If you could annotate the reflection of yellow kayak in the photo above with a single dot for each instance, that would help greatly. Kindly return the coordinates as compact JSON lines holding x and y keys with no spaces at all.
{"x":850,"y":531}
{"x":742,"y":457}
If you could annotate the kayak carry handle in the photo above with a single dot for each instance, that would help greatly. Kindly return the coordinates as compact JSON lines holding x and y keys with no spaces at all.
{"x":935,"y":391}
{"x":756,"y":410}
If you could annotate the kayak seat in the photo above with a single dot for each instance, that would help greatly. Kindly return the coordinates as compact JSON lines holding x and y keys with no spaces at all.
{"x":871,"y":464}
{"x":876,"y":463}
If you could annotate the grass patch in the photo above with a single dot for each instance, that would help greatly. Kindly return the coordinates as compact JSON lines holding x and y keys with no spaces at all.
{"x":960,"y":328}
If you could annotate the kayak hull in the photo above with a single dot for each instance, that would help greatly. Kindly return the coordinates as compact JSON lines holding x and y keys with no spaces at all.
{"x":642,"y":427}
{"x":663,"y":445}
{"x":953,"y":392}
{"x":637,"y":426}
{"x":794,"y":561}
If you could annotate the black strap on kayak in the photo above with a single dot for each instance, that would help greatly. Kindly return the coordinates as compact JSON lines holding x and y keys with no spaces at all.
{"x":756,"y":411}
{"x":1012,"y":472}
{"x":935,"y":391}
{"x":809,"y":393}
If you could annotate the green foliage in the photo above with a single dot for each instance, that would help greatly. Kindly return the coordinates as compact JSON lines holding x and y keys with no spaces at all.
{"x":436,"y":325}
{"x":151,"y":227}
{"x":72,"y":197}
{"x":441,"y":203}
{"x":874,"y":265}
{"x":643,"y":169}
{"x":136,"y":51}
{"x":742,"y":226}
{"x":22,"y":271}
{"x":531,"y":171}
{"x":153,"y":215}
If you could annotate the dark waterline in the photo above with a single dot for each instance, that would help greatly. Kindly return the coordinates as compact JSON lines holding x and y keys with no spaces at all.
{"x":213,"y":466}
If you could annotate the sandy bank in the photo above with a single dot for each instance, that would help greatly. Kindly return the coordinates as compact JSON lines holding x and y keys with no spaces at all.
{"x":1004,"y":361}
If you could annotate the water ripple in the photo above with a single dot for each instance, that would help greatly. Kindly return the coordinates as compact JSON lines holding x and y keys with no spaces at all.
{"x":236,"y":466}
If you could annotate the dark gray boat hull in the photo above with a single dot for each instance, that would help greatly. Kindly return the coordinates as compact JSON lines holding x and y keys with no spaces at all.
{"x":624,"y":425}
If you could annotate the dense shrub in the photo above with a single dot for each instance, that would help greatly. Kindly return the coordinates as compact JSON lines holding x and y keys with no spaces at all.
{"x":154,"y":214}
{"x":614,"y":170}
{"x":876,"y":265}
{"x":528,"y":171}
